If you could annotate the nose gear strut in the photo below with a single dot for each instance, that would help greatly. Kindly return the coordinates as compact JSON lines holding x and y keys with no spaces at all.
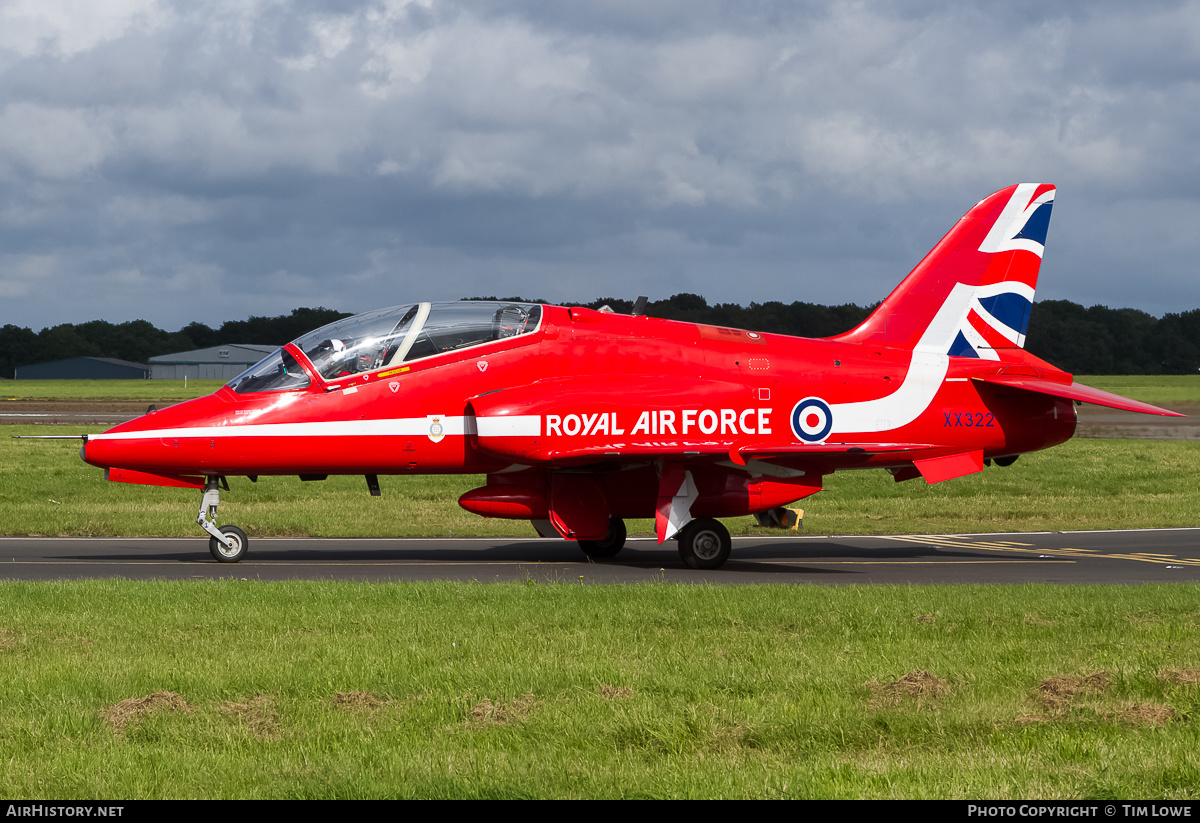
{"x":227,"y":544}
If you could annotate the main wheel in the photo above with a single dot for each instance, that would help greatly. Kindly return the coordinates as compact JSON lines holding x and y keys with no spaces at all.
{"x":705,"y":544}
{"x":223,"y":553}
{"x":612,"y":543}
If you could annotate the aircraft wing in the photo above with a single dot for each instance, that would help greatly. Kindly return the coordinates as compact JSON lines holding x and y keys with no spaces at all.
{"x":1074,"y":391}
{"x":738,"y":453}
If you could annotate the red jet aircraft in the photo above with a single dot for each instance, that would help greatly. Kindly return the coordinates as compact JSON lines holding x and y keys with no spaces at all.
{"x":581,"y":418}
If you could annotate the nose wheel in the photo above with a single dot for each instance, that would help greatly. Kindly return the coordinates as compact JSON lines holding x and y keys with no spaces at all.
{"x":227,"y":544}
{"x":232,"y":548}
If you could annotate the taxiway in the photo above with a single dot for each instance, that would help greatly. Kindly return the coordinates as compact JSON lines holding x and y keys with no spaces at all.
{"x":1087,"y":558}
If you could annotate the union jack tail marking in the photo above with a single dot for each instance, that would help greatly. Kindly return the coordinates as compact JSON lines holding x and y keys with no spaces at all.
{"x":971,"y":296}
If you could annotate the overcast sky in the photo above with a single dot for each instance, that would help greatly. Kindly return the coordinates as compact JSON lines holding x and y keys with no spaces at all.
{"x":180,"y":161}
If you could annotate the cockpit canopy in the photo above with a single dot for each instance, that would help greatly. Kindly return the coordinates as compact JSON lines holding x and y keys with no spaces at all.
{"x":388,"y":337}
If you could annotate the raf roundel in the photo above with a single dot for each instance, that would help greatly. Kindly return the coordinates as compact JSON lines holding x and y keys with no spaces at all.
{"x":812,"y":420}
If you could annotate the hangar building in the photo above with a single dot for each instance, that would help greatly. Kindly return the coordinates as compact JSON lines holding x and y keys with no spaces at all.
{"x":84,"y":368}
{"x":213,"y":363}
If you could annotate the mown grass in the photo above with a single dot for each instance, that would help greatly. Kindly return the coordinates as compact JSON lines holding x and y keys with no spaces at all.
{"x":157,"y":390}
{"x":239,"y":689}
{"x":1159,"y":389}
{"x":327,"y":690}
{"x":45,"y":489}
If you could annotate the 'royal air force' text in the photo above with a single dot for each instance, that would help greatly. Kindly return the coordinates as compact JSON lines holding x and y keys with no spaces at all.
{"x":686,"y":421}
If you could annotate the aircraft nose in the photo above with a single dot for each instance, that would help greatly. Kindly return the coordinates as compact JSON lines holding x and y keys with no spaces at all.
{"x":103,"y":454}
{"x":135,"y":442}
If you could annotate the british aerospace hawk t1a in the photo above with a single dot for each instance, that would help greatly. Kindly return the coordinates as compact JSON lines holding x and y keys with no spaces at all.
{"x":580,"y":419}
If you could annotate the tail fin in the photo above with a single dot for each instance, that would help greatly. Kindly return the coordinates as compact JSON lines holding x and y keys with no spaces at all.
{"x":971,"y":295}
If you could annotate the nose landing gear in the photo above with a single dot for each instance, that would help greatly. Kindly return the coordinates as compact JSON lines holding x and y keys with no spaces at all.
{"x":228,"y":543}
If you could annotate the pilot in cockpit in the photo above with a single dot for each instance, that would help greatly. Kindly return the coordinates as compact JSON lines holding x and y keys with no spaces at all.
{"x":509,"y":321}
{"x":331,"y":358}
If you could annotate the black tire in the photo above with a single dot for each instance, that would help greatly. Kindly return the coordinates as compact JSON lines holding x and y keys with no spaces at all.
{"x":224,"y":554}
{"x":705,"y":544}
{"x":612,"y":543}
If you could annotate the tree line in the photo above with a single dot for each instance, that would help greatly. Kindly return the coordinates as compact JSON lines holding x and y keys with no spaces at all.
{"x":138,"y":340}
{"x":1096,"y":340}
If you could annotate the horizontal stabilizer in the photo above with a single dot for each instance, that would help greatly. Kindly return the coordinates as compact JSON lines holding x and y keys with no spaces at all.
{"x":1074,"y":391}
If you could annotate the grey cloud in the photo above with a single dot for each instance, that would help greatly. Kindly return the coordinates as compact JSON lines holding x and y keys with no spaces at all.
{"x":183,"y":163}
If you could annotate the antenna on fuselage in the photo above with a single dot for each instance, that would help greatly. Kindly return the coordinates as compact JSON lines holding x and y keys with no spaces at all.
{"x":639,"y":306}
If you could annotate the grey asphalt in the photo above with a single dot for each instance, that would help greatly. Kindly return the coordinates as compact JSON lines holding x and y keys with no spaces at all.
{"x":1111,"y":557}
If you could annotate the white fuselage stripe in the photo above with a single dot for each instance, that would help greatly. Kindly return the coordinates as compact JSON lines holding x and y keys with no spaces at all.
{"x":521,"y":426}
{"x":929,"y":365}
{"x":517,"y":425}
{"x":901,"y":407}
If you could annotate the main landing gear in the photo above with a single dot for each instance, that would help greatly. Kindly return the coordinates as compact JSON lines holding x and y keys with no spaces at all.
{"x":612,"y":543}
{"x":228,"y":543}
{"x":703,"y":544}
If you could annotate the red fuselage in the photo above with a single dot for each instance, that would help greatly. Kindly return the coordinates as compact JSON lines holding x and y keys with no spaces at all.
{"x":591,"y":389}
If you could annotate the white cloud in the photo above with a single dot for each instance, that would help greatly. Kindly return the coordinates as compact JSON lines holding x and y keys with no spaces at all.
{"x":68,"y":27}
{"x":273,"y":148}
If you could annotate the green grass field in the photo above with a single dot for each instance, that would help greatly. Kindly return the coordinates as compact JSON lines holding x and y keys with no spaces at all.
{"x":45,"y":489}
{"x":164,"y":390}
{"x":324,"y":690}
{"x":1159,"y":389}
{"x":1085,"y":484}
{"x":239,"y":689}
